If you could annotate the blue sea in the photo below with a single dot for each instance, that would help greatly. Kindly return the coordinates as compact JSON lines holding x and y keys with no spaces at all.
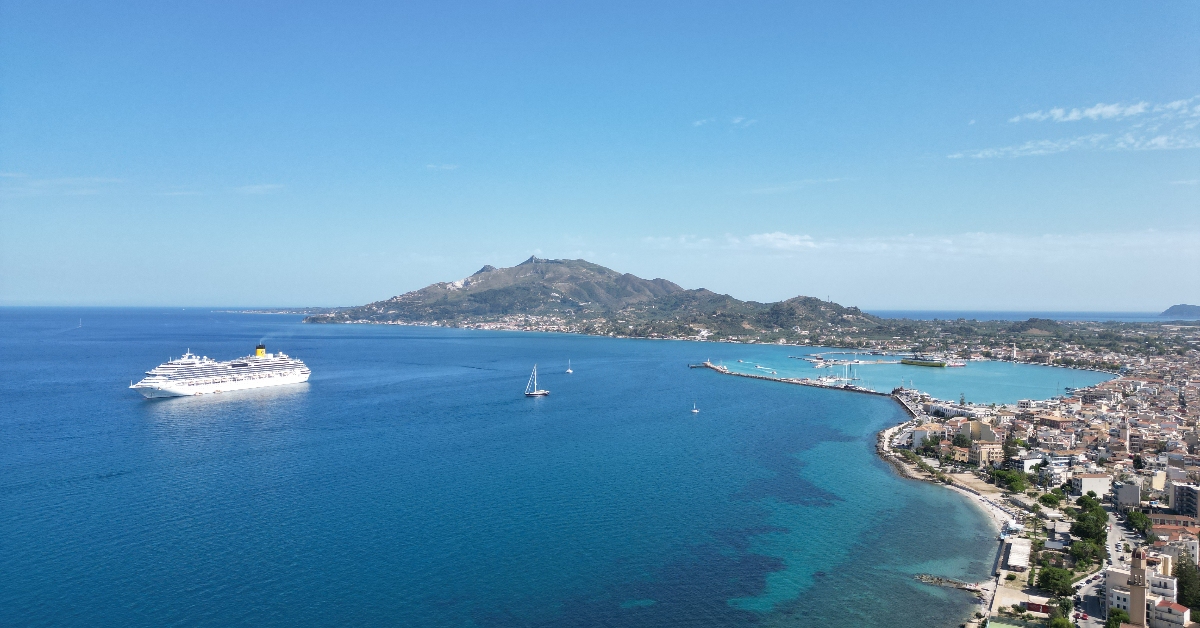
{"x":979,"y":382}
{"x":411,"y":483}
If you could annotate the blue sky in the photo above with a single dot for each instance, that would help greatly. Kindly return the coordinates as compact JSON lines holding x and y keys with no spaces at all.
{"x":946,"y":155}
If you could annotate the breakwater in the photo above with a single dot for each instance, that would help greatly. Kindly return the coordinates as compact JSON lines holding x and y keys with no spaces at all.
{"x":724,"y":370}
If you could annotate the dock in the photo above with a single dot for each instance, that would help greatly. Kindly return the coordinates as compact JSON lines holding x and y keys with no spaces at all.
{"x":724,"y":370}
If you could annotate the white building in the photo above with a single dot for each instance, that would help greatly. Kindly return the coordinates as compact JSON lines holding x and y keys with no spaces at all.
{"x":1084,"y":482}
{"x":1016,"y":554}
{"x":1170,"y":615}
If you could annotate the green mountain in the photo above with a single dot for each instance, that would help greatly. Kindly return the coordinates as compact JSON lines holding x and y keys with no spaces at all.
{"x":533,"y":287}
{"x":576,"y":295}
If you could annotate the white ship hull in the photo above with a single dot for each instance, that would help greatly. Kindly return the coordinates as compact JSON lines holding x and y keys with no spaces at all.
{"x":200,"y":375}
{"x":182,"y":389}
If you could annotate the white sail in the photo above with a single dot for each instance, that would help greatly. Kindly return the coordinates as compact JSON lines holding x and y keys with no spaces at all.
{"x":531,"y":387}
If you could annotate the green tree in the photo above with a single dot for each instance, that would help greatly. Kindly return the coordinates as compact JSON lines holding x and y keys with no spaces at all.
{"x":962,"y":440}
{"x":1056,"y":581}
{"x":1060,"y":622}
{"x":1187,"y":581}
{"x":1049,"y":500}
{"x":1091,"y":520}
{"x":1012,"y":480}
{"x":1116,"y":617}
{"x":1139,"y":521}
{"x":1085,"y":552}
{"x":1138,"y":463}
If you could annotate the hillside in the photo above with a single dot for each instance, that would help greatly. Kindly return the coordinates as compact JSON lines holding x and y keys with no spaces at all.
{"x":576,"y":295}
{"x":533,"y":287}
{"x":1182,"y":311}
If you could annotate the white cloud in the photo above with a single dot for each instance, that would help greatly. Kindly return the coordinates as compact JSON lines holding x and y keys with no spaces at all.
{"x":1186,"y":182}
{"x":262,"y":188}
{"x":1036,"y":147}
{"x":19,"y":184}
{"x":779,"y":240}
{"x":1137,"y":138}
{"x":737,"y":121}
{"x":1099,"y":111}
{"x":971,"y":245}
{"x":441,"y":166}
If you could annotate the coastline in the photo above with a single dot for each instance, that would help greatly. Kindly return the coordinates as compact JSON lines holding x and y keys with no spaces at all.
{"x":995,"y":514}
{"x":686,"y":339}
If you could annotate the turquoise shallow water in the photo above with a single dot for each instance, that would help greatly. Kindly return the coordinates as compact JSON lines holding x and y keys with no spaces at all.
{"x":409,"y":482}
{"x":980,"y":382}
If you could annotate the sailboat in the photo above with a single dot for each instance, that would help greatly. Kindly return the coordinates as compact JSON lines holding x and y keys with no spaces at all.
{"x":531,"y":389}
{"x":695,"y":410}
{"x":569,"y":366}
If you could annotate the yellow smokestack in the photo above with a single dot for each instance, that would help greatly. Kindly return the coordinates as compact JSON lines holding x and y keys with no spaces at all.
{"x":260,"y":350}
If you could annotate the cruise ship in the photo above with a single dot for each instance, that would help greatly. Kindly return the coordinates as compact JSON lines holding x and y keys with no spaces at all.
{"x":197,"y":375}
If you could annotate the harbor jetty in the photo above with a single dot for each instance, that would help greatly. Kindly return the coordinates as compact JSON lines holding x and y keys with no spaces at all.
{"x":805,"y":381}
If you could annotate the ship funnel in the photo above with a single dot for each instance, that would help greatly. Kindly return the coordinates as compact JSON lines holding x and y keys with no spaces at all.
{"x":260,"y":350}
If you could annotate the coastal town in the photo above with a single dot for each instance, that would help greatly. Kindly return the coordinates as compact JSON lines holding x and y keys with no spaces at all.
{"x":1095,"y":493}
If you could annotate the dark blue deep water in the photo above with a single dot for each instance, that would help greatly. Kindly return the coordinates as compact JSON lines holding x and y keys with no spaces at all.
{"x":410,"y":483}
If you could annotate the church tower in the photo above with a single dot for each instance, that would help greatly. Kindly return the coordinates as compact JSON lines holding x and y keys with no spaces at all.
{"x":1137,"y":588}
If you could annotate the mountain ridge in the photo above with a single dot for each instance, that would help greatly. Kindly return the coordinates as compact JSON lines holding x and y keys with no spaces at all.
{"x":577,"y":295}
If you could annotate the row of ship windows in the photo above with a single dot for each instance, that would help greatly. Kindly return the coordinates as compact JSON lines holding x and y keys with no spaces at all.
{"x":289,"y":367}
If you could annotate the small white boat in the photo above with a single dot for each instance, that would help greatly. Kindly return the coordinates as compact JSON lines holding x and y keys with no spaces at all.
{"x":695,"y":410}
{"x":531,"y":388}
{"x":569,"y":366}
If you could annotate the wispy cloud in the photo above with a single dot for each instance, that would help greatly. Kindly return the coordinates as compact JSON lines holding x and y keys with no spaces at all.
{"x":260,"y":188}
{"x":441,"y":166}
{"x":777,"y":240}
{"x":736,"y":121}
{"x":1186,"y":182}
{"x":1100,"y":111}
{"x":1144,"y":126}
{"x":963,"y":245}
{"x":792,"y":186}
{"x":1036,"y":147}
{"x":20,"y":184}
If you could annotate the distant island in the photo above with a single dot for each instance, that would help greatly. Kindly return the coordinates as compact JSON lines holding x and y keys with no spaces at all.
{"x":1182,"y":311}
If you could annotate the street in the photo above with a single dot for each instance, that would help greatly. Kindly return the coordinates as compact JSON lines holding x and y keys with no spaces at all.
{"x":1091,"y":593}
